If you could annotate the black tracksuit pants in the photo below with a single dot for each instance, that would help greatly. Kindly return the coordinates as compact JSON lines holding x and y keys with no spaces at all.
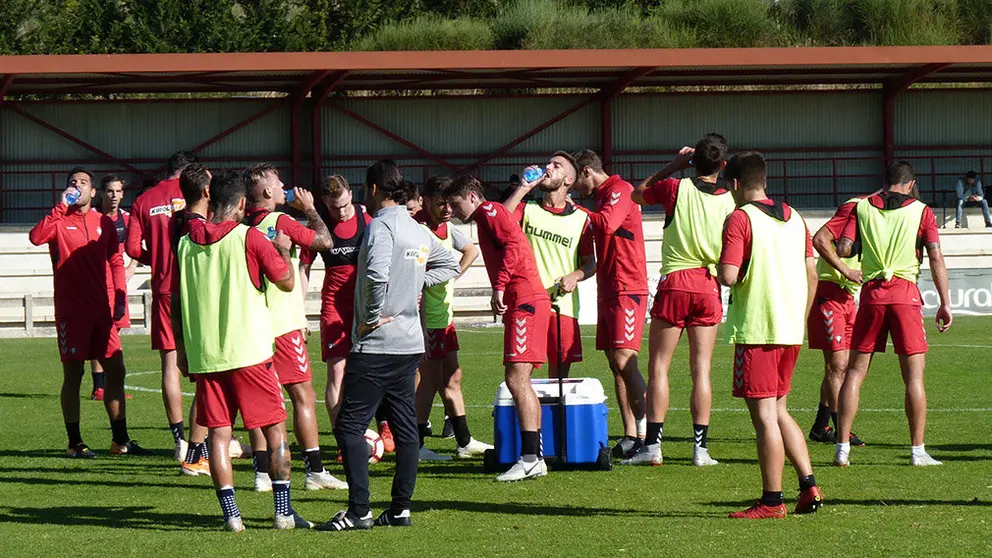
{"x":368,"y":380}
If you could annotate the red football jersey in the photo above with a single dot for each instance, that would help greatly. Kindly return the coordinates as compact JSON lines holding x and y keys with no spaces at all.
{"x":507,"y":254}
{"x":151,"y":217}
{"x":619,"y":233}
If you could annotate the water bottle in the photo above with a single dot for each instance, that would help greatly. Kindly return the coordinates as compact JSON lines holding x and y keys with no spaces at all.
{"x":72,"y":197}
{"x":272,"y":233}
{"x":533,"y":174}
{"x":290,"y":195}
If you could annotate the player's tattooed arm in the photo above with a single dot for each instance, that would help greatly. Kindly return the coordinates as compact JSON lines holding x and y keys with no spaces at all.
{"x":845,"y":247}
{"x":938,"y":272}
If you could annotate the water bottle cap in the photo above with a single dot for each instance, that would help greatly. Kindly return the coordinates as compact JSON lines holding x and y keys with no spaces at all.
{"x":290,"y":195}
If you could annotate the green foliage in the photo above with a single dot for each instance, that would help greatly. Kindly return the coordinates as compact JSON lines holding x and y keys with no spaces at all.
{"x":723,"y":23}
{"x":890,"y":22}
{"x":429,"y":32}
{"x":123,"y":26}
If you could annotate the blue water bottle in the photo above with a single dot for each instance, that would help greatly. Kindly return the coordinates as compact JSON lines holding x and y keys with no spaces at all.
{"x":290,"y":195}
{"x":533,"y":174}
{"x":72,"y":197}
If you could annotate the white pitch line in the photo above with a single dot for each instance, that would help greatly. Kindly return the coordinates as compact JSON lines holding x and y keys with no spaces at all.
{"x":144,"y":373}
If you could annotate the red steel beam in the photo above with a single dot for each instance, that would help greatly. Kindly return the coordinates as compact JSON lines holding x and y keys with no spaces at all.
{"x":604,"y":95}
{"x":52,"y":128}
{"x":890,"y":90}
{"x":320,"y":95}
{"x":294,"y":124}
{"x":492,"y":60}
{"x":269,"y":108}
{"x":395,"y":137}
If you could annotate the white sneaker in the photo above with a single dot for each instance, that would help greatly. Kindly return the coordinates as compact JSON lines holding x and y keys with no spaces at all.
{"x":647,"y":455}
{"x":923,"y":460}
{"x":236,"y":449}
{"x":323,"y":480}
{"x":290,"y":522}
{"x":474,"y":448}
{"x":427,"y":454}
{"x":522,"y":470}
{"x":841,"y":458}
{"x":701,"y":458}
{"x":180,"y":452}
{"x":262,"y":482}
{"x":234,"y":525}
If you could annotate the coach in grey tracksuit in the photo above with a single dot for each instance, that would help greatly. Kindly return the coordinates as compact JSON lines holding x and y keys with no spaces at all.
{"x":397,"y":259}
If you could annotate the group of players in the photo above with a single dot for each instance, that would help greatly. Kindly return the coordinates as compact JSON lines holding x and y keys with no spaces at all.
{"x":718,"y":231}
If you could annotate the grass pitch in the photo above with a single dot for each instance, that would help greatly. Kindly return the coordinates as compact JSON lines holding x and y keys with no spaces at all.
{"x":53,"y":506}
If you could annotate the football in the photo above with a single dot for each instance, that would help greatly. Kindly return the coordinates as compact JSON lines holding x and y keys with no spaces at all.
{"x":374,"y":442}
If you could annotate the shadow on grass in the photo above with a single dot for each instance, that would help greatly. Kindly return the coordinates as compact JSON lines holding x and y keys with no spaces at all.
{"x":963,"y":447}
{"x":28,"y":395}
{"x":518,"y":508}
{"x":123,"y":517}
{"x":102,"y":457}
{"x":883,"y":503}
{"x":40,"y":481}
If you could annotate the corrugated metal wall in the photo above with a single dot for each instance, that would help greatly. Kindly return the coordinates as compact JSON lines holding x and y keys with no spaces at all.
{"x":133,"y":131}
{"x":821,"y":146}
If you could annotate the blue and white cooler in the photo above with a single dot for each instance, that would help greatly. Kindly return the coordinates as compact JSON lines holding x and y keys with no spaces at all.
{"x":585,"y":433}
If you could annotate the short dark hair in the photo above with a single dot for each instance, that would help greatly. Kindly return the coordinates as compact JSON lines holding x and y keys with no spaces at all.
{"x":386,"y":175}
{"x":192,"y":180}
{"x":436,"y":185}
{"x":78,"y":170}
{"x":226,"y":190}
{"x":412,"y":190}
{"x":587,"y":158}
{"x":568,"y":157}
{"x":253,"y":175}
{"x":747,"y":168}
{"x":108,"y":178}
{"x":711,"y":152}
{"x":515,"y":179}
{"x":971,"y":175}
{"x":179,"y":161}
{"x":462,"y":185}
{"x":899,"y":172}
{"x":335,"y":186}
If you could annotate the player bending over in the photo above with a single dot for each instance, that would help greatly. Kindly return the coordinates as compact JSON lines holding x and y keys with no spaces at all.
{"x":688,"y":297}
{"x":622,"y":281}
{"x":562,"y":240}
{"x":518,"y":296}
{"x":84,"y":249}
{"x":767,"y":261}
{"x":289,"y":321}
{"x":891,"y":227}
{"x":439,"y":370}
{"x":224,"y":338}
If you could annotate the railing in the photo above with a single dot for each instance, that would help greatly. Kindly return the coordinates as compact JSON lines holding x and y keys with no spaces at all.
{"x":804,"y":178}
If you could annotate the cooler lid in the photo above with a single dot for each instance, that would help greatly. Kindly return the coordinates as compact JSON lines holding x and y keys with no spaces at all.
{"x":578,"y":391}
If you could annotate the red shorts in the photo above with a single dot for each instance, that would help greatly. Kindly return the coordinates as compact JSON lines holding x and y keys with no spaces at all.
{"x":162,"y":337}
{"x":525,"y":332}
{"x":875,"y":322}
{"x":621,"y":322}
{"x":441,"y":342}
{"x":87,"y":336}
{"x":571,"y":339}
{"x":762,"y":371}
{"x":683,"y":309}
{"x":335,"y":337}
{"x":253,"y":390}
{"x":831,"y":321}
{"x":291,"y":361}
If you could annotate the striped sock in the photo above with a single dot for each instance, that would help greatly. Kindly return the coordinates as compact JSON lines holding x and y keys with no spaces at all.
{"x":225,"y":496}
{"x":280,"y":494}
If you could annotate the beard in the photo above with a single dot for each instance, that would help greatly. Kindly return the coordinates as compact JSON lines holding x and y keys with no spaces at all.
{"x":551,"y":184}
